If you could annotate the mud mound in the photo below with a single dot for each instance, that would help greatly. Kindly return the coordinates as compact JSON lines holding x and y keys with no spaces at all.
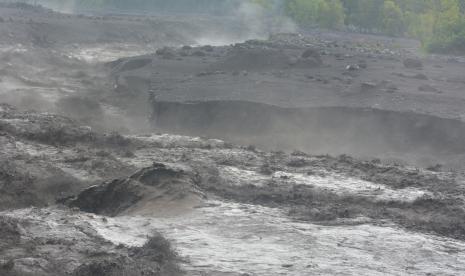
{"x":253,"y":59}
{"x":335,"y":130}
{"x":160,"y":189}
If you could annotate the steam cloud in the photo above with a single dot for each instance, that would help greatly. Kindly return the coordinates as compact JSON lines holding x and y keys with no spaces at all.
{"x":262,"y":22}
{"x":248,"y":20}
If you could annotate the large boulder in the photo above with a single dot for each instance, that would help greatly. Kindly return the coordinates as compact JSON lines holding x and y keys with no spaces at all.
{"x":413,"y":63}
{"x":158,"y":190}
{"x":309,"y":58}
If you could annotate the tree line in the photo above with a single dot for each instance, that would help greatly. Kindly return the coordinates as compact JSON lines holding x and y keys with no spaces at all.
{"x":438,"y":24}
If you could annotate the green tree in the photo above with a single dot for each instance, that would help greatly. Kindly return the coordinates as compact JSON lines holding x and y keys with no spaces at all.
{"x":324,"y":13}
{"x":330,"y":14}
{"x":392,"y":19}
{"x":366,"y":15}
{"x":448,"y":34}
{"x":304,"y":12}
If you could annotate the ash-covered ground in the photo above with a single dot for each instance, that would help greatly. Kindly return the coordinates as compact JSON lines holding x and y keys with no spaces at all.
{"x":128,"y":147}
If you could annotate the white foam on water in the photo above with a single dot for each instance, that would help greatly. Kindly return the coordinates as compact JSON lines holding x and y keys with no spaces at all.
{"x":347,"y":185}
{"x":330,"y":182}
{"x":241,"y":238}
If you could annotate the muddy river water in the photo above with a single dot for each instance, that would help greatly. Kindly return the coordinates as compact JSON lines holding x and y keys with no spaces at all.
{"x":230,"y":237}
{"x":221,"y":236}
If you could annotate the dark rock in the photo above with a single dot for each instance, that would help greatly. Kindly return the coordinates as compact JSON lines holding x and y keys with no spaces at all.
{"x":157,"y":183}
{"x":391,"y":88}
{"x":420,"y":77}
{"x":199,"y":54}
{"x":362,"y":64}
{"x":310,"y":58}
{"x":353,"y":67}
{"x":368,"y":86}
{"x":428,"y":88}
{"x":413,"y":63}
{"x":166,"y":53}
{"x":313,"y":53}
{"x":208,"y":48}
